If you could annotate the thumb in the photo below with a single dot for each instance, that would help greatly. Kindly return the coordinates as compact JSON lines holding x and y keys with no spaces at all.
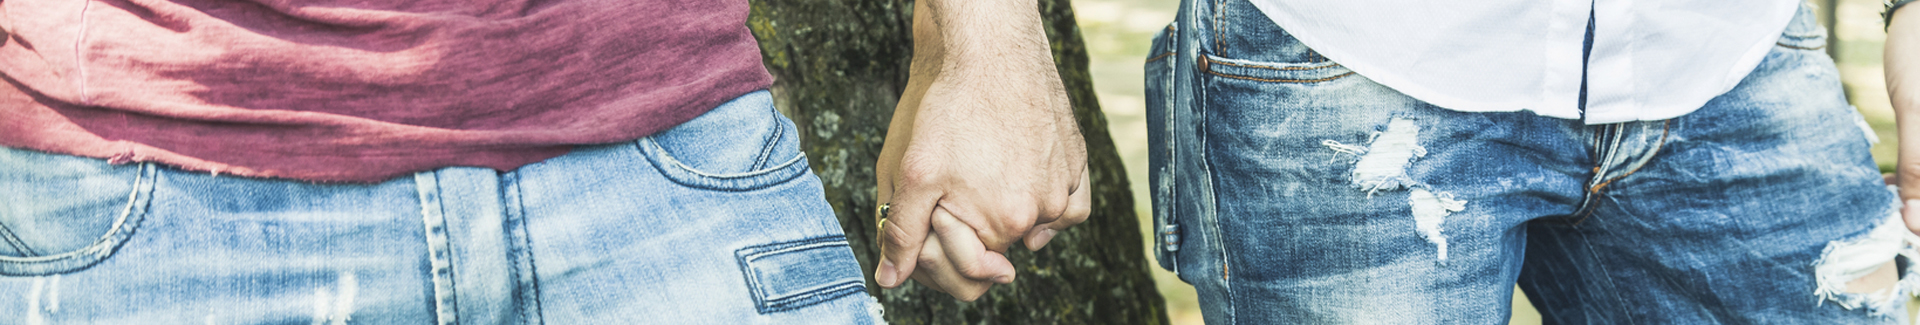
{"x":1907,"y":170}
{"x":1908,"y":182}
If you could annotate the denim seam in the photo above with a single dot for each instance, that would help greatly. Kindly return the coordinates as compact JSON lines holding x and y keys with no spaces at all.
{"x":813,"y":296}
{"x":1206,"y":64}
{"x":1607,"y":276}
{"x":773,"y":141}
{"x":439,"y":255}
{"x":1208,"y":213}
{"x":682,"y":174}
{"x":1256,"y":66}
{"x":520,"y":249}
{"x":1219,"y":26}
{"x":1596,"y":190}
{"x":1648,"y":156}
{"x":139,"y":202}
{"x":1160,"y":56}
{"x":1166,"y":222}
{"x":1785,"y":45}
{"x":1343,"y":75}
{"x":13,"y":240}
{"x":1606,"y":144}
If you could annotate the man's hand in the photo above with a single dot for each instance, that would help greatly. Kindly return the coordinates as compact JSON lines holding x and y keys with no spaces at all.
{"x":1903,"y":86}
{"x":983,"y":149}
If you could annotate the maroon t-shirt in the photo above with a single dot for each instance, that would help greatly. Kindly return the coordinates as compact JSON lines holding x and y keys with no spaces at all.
{"x":359,"y":90}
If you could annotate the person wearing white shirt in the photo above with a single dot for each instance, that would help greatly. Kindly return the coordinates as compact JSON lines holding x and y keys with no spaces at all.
{"x":1391,"y":161}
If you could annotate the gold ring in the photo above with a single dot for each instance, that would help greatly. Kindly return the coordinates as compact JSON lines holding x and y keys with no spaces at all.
{"x":881,"y":213}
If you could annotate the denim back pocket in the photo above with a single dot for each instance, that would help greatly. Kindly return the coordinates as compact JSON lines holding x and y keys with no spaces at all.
{"x":60,"y":214}
{"x":741,"y":145}
{"x":790,"y":275}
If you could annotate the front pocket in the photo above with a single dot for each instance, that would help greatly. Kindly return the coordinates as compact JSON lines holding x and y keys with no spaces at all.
{"x":1803,"y":32}
{"x":65,"y":213}
{"x":741,"y":145}
{"x":1273,"y":72}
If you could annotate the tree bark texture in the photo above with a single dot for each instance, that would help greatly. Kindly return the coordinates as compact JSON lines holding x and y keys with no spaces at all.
{"x":840,"y":66}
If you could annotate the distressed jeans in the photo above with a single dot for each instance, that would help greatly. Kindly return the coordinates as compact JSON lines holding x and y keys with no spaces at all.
{"x":1288,"y":189}
{"x":716,"y":221}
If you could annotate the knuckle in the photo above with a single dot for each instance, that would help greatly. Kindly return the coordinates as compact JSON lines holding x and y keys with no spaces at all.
{"x":915,"y":170}
{"x":896,"y":237}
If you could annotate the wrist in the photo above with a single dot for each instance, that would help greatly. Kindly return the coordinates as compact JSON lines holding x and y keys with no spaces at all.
{"x":1886,"y":15}
{"x":985,"y":35}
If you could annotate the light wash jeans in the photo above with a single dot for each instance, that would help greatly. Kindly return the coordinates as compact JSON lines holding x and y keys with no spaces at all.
{"x":1288,"y":189}
{"x":716,"y":221}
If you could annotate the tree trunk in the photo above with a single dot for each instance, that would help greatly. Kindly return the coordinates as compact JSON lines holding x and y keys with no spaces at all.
{"x":840,"y":66}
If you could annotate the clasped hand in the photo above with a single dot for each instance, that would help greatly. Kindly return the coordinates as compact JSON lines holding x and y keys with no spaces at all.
{"x":982,"y":151}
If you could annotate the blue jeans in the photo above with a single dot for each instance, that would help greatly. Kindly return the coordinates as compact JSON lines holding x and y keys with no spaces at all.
{"x":716,"y":221}
{"x":1288,"y":189}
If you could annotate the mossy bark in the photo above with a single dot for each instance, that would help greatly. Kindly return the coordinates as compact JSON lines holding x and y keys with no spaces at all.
{"x":840,"y":66}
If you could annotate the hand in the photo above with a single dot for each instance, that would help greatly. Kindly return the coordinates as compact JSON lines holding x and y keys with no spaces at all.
{"x":1903,"y":86}
{"x":983,"y":149}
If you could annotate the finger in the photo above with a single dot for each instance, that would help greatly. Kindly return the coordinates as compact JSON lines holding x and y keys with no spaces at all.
{"x":1907,"y":173}
{"x":964,"y":251}
{"x":998,"y":222}
{"x":903,"y":234}
{"x":1902,"y":80}
{"x":1079,"y":206}
{"x":937,"y":273}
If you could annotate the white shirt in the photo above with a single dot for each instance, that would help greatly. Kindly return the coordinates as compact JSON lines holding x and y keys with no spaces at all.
{"x":1651,"y":60}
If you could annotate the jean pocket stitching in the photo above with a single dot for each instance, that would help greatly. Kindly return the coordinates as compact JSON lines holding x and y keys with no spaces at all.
{"x":683,"y":174}
{"x":1299,"y":73}
{"x":1821,"y":44}
{"x":1161,"y":56}
{"x":15,"y":242}
{"x":116,"y":236}
{"x":766,"y":302}
{"x":773,"y":142}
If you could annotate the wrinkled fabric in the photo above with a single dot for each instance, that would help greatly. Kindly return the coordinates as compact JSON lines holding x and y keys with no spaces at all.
{"x":1650,"y":60}
{"x":361,"y":91}
{"x":716,"y":221}
{"x":1289,"y":189}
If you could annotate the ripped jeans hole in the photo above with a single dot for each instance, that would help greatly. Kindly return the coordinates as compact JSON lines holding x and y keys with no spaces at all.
{"x":1383,"y":163}
{"x":1872,"y":271}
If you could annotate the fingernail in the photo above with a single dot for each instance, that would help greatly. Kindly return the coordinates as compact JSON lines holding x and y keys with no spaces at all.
{"x":887,"y":277}
{"x":1004,"y":279}
{"x":1042,"y":238}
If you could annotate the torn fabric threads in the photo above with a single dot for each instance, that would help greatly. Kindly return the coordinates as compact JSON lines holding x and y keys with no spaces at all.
{"x":343,"y":301}
{"x":1845,"y":261}
{"x":33,"y":301}
{"x":1384,"y":167}
{"x":53,"y":294}
{"x":1429,"y":210}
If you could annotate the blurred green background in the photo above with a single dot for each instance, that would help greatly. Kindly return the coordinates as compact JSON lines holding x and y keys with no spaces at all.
{"x":1118,"y":33}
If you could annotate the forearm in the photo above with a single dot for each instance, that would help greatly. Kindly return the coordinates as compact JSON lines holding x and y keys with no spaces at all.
{"x":1903,"y":86}
{"x":986,"y":32}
